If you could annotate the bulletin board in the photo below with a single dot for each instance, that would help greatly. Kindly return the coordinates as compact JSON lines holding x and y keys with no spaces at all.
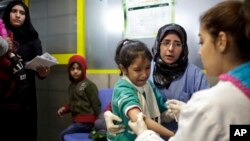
{"x":143,"y":18}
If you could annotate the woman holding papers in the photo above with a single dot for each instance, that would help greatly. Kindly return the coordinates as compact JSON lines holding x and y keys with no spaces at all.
{"x":18,"y":106}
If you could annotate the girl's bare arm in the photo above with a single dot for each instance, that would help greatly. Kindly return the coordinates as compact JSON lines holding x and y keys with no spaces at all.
{"x":151,"y":124}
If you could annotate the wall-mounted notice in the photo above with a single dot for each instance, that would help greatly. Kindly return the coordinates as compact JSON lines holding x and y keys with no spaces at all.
{"x":143,"y":18}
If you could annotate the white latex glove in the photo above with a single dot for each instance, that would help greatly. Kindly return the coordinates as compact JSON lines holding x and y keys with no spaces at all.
{"x":111,"y":127}
{"x":139,"y":126}
{"x":175,"y":106}
{"x":167,"y":116}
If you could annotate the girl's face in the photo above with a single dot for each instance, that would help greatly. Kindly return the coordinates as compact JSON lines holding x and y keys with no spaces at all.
{"x":76,"y":71}
{"x":17,"y":16}
{"x":170,"y":48}
{"x":138,"y":72}
{"x":209,"y":55}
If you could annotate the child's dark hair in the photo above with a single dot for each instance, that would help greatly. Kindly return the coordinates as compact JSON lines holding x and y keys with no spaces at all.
{"x":128,"y":50}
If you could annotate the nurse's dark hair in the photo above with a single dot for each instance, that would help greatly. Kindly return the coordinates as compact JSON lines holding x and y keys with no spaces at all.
{"x":233,"y":18}
{"x":128,"y":50}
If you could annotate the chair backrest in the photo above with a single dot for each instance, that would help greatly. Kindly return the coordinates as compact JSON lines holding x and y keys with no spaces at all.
{"x":105,"y":96}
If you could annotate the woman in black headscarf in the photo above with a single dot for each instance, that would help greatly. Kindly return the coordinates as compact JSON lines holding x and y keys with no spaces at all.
{"x":173,"y":75}
{"x":19,"y":108}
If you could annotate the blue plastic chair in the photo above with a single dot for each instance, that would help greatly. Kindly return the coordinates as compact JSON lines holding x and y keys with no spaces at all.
{"x":105,"y":96}
{"x":77,"y":137}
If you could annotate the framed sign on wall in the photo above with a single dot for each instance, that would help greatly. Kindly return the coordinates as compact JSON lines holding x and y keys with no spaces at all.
{"x":144,"y":17}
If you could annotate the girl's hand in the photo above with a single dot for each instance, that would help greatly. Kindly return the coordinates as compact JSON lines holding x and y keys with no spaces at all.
{"x":60,"y":111}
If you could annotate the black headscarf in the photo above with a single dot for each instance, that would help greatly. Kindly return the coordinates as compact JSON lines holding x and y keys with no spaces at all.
{"x":24,"y":33}
{"x":164,"y":73}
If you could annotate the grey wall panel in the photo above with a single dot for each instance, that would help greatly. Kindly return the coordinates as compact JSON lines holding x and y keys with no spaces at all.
{"x":55,"y":21}
{"x":101,"y":37}
{"x":61,"y":7}
{"x":63,"y":43}
{"x":187,"y":13}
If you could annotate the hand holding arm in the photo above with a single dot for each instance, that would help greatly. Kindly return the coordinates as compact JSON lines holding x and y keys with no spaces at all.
{"x":140,"y":128}
{"x":139,"y":125}
{"x":111,"y":127}
{"x":151,"y":124}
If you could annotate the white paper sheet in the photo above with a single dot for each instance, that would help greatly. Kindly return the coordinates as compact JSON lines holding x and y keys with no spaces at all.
{"x":46,"y":60}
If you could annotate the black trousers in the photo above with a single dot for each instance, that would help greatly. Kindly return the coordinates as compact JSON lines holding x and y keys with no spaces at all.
{"x":18,"y":125}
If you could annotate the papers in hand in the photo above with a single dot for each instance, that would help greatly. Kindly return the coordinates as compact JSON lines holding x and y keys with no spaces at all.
{"x":46,"y":60}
